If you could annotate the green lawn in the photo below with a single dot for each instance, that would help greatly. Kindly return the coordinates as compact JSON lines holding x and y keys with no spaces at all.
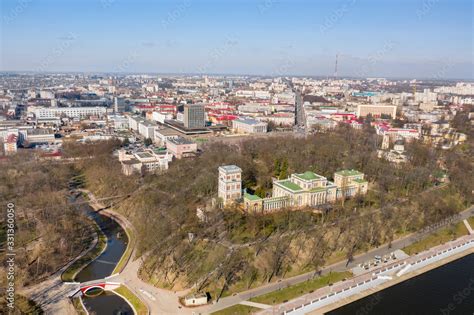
{"x":471,"y":222}
{"x":69,"y":274}
{"x":237,"y":310}
{"x":299,"y":289}
{"x":440,"y":237}
{"x":139,"y":306}
{"x":76,"y":302}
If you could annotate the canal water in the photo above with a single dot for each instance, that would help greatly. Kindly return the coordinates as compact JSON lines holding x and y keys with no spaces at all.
{"x":103,"y":266}
{"x":448,"y":289}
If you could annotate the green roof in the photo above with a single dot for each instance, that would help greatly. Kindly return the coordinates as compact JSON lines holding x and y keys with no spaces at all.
{"x":251,"y":197}
{"x":290,"y":185}
{"x":349,"y":173}
{"x":358,"y":180}
{"x":307,"y":175}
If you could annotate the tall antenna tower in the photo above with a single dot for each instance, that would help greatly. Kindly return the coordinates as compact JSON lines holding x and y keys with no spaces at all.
{"x":335,"y":68}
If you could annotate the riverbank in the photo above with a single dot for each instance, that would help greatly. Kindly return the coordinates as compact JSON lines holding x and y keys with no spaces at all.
{"x":391,"y":283}
{"x":344,"y":292}
{"x":95,"y":249}
{"x":122,"y":221}
{"x":125,"y":292}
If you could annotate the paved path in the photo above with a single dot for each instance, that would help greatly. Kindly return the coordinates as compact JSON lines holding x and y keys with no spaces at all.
{"x":390,"y":274}
{"x":158,"y":301}
{"x":161,"y":301}
{"x":254,"y":304}
{"x":52,"y":294}
{"x":339,"y":266}
{"x":468,"y":226}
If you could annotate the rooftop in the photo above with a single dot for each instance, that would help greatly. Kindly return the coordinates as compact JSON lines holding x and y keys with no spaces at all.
{"x":144,"y":155}
{"x":290,"y":185}
{"x":194,"y":105}
{"x":349,"y":173}
{"x":358,"y":180}
{"x":179,"y":140}
{"x":230,"y":168}
{"x":252,"y":197}
{"x":308,"y":175}
{"x":249,"y":121}
{"x":167,"y":132}
{"x":148,"y":123}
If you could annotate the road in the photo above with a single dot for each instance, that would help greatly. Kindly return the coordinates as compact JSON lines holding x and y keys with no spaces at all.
{"x":52,"y":293}
{"x":158,"y":301}
{"x":299,"y":117}
{"x":339,"y":266}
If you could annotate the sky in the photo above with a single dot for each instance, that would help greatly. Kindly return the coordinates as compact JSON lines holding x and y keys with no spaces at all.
{"x":383,"y":38}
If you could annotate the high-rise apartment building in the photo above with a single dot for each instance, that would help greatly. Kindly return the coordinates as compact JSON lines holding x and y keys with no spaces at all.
{"x":194,"y":116}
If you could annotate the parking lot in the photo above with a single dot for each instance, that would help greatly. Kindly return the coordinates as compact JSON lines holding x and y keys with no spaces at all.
{"x":379,"y":261}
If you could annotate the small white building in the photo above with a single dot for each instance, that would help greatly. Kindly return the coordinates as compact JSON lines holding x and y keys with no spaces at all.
{"x":145,"y":161}
{"x":195,"y":299}
{"x":181,"y":147}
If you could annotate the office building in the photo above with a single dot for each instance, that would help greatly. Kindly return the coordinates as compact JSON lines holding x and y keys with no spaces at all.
{"x":181,"y":147}
{"x":70,"y":112}
{"x":377,"y":110}
{"x":246,"y":125}
{"x":194,"y":116}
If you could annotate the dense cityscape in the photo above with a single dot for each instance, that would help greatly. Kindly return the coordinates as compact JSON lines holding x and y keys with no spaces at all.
{"x":174,"y":116}
{"x":143,"y":192}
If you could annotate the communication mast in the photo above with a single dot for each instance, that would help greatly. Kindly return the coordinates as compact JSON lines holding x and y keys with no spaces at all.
{"x":335,"y":69}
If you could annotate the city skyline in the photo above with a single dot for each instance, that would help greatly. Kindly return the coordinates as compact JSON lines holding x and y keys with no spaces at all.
{"x":401,"y":39}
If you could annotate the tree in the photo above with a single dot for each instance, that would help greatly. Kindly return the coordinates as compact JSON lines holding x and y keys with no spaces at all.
{"x":276,"y":168}
{"x":284,"y":169}
{"x":260,"y":192}
{"x":147,"y":142}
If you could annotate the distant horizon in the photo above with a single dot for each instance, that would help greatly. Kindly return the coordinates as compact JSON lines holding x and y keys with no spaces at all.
{"x":393,"y":38}
{"x":321,"y":77}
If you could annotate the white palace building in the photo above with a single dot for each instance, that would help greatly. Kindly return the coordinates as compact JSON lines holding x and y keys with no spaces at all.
{"x":299,"y":190}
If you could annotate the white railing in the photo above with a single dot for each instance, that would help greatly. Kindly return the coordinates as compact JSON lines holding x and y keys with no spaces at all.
{"x":377,"y":275}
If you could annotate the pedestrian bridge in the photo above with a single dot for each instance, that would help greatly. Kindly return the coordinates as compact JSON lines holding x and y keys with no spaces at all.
{"x":92,"y":288}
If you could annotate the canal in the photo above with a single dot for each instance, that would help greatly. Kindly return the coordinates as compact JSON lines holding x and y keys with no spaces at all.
{"x":448,"y":289}
{"x":107,"y":302}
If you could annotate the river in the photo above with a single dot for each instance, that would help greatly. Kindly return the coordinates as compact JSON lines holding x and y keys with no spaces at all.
{"x":103,"y":266}
{"x":446,"y":290}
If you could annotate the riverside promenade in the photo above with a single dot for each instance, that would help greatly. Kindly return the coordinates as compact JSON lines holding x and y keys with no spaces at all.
{"x":344,"y":292}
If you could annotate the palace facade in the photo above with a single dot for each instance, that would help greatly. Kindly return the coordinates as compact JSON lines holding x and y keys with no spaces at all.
{"x":305,"y":189}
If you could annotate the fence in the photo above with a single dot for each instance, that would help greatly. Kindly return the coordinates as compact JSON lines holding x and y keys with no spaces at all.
{"x":411,"y":263}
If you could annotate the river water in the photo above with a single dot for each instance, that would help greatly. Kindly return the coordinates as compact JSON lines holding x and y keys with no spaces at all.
{"x":446,"y":290}
{"x":103,"y":266}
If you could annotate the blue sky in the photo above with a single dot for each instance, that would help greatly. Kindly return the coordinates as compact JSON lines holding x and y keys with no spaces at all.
{"x":393,"y":38}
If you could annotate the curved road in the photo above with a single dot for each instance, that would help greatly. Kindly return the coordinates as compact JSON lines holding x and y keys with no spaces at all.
{"x":52,"y":293}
